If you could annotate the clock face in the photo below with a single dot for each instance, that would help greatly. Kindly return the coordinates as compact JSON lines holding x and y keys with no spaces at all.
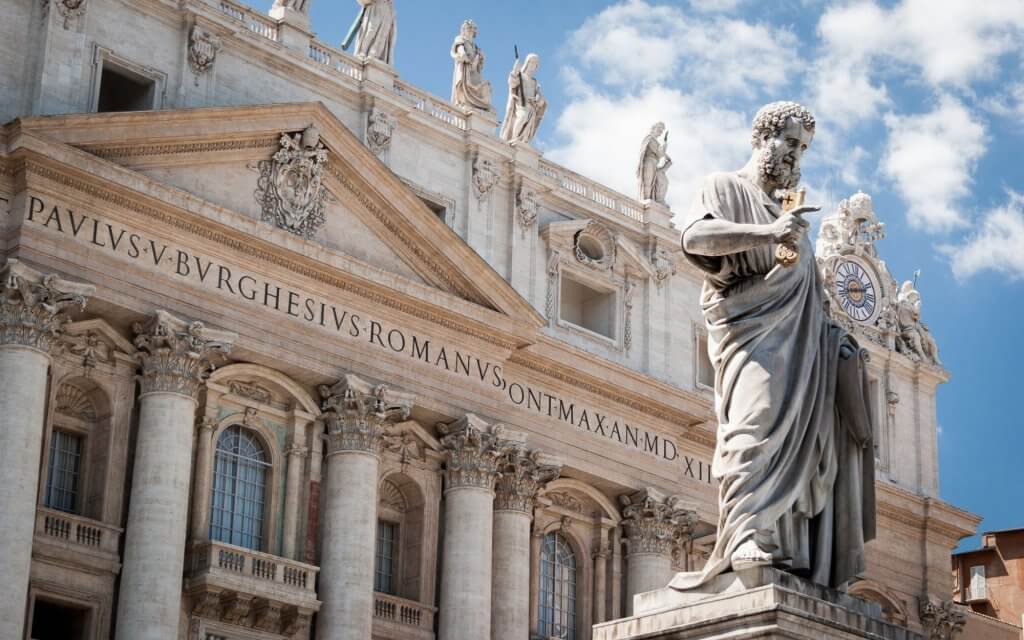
{"x":856,"y":291}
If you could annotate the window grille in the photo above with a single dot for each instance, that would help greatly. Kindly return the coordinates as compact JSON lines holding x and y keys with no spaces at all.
{"x":64,"y":474}
{"x":384,"y":565}
{"x":557,"y":588}
{"x":239,"y":489}
{"x":978,"y":588}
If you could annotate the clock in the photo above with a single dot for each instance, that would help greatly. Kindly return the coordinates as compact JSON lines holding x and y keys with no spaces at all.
{"x":857,"y":290}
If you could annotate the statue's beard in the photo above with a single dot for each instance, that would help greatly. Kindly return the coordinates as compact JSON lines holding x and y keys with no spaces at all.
{"x":776,"y":172}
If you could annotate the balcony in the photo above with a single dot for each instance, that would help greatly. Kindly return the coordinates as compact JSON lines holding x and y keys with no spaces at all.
{"x":250,"y":589}
{"x":400,"y":619}
{"x":73,"y":539}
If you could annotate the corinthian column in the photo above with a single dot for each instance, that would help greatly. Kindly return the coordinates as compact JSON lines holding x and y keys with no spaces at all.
{"x":358,"y":418}
{"x":654,"y":525}
{"x":32,"y":308}
{"x":175,"y":360}
{"x":472,"y":448}
{"x":521,"y":475}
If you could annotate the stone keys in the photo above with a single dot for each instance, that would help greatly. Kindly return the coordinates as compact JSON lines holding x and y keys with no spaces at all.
{"x":787,"y":255}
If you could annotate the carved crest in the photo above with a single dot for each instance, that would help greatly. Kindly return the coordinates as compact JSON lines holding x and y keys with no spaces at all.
{"x":664,"y":265}
{"x":594,"y":246}
{"x":71,"y":10}
{"x":380,"y":127}
{"x":527,"y":206}
{"x":202,"y":50}
{"x":290,"y":189}
{"x":485,"y":176}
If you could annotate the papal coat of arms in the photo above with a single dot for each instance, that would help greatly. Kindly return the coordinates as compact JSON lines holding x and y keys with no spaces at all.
{"x":202,"y":50}
{"x":290,"y":191}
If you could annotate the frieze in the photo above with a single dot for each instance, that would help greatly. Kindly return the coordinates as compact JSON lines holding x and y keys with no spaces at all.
{"x":115,"y":152}
{"x":290,"y":190}
{"x":176,"y":356}
{"x":33,"y":306}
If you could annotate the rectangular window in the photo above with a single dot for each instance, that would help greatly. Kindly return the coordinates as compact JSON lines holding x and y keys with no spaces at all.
{"x":979,"y":588}
{"x":62,"y":478}
{"x":588,"y":308}
{"x":54,"y":621}
{"x":122,"y":90}
{"x":384,"y":572}
{"x":705,"y":370}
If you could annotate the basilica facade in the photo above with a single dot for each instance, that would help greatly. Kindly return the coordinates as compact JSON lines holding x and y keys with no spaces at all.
{"x":290,"y":348}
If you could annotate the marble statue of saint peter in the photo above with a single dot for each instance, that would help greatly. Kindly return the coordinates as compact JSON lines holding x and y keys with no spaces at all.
{"x":794,"y":456}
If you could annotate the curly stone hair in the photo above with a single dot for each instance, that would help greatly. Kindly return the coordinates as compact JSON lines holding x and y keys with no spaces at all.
{"x":771,"y":119}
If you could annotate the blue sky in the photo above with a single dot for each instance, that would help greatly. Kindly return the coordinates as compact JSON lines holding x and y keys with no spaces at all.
{"x":920,"y":103}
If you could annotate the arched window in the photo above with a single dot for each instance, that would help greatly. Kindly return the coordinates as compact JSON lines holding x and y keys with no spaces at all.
{"x":239,"y":489}
{"x":557,"y":588}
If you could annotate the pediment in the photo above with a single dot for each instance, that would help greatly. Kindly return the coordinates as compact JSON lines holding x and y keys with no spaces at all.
{"x":370,"y":215}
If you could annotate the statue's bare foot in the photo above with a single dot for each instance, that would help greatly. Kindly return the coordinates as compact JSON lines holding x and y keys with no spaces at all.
{"x":749,"y":555}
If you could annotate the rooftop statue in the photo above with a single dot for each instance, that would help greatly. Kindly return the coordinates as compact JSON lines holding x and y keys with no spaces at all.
{"x":652,"y":171}
{"x":794,"y":456}
{"x":526,"y":104}
{"x":469,"y":89}
{"x":377,"y":31}
{"x":913,"y":339}
{"x":302,"y":6}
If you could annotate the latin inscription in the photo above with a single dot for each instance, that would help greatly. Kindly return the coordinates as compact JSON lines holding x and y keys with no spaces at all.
{"x":352,"y":324}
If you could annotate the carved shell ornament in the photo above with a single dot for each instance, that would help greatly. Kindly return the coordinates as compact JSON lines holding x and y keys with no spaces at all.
{"x":290,"y":191}
{"x":72,"y":401}
{"x":594,"y":246}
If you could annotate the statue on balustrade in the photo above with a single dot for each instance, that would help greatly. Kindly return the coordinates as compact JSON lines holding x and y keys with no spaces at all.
{"x":794,"y":456}
{"x":652,"y":171}
{"x":526,"y":103}
{"x":377,"y":30}
{"x":302,"y":6}
{"x":469,"y":89}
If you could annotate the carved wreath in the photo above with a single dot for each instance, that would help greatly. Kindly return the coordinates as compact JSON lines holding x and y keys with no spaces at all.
{"x":290,"y":189}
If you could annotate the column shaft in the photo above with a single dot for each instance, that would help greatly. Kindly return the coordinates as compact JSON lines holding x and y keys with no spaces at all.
{"x":536,"y":540}
{"x":646,"y":572}
{"x":293,"y":498}
{"x":154,"y":553}
{"x":600,"y":585}
{"x":510,"y":598}
{"x":466,"y":574}
{"x":203,"y":487}
{"x":23,"y":384}
{"x":347,"y":546}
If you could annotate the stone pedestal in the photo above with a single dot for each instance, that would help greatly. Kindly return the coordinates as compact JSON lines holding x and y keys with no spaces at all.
{"x":761,"y":603}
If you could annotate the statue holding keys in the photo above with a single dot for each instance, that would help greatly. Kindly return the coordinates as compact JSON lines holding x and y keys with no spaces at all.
{"x":794,"y":456}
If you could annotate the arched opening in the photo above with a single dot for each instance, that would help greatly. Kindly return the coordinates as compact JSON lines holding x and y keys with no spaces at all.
{"x":399,"y":546}
{"x":558,"y":580}
{"x":75,"y":470}
{"x":892,"y":611}
{"x":241,"y":471}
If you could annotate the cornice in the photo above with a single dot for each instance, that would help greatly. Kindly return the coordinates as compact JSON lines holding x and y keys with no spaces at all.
{"x":114,"y":152}
{"x":266,"y":252}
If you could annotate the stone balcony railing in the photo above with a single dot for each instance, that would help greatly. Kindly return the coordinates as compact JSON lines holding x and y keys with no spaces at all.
{"x":395,"y":617}
{"x":77,"y":535}
{"x":253,"y":20}
{"x":263,"y":572}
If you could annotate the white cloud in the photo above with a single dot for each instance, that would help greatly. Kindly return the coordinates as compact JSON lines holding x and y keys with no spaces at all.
{"x":930,"y":158}
{"x":603,"y":135}
{"x":1010,"y":104}
{"x":715,"y":6}
{"x":635,"y":43}
{"x":998,"y":244}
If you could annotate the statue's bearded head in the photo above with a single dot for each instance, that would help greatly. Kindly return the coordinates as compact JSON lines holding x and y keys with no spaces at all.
{"x":782,"y":131}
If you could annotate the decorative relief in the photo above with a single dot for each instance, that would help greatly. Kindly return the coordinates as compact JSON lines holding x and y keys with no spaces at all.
{"x":250,"y":390}
{"x":176,"y":356}
{"x":290,"y":191}
{"x":521,"y":474}
{"x":942,"y":620}
{"x":71,"y":10}
{"x":33,"y":306}
{"x":380,"y":127}
{"x":664,"y":265}
{"x":391,"y":496}
{"x":566,"y":501}
{"x":594,"y":246}
{"x":654,"y":523}
{"x":554,"y":266}
{"x":359,"y":416}
{"x":407,"y":446}
{"x":485,"y":176}
{"x":267,"y":615}
{"x":90,"y":348}
{"x":627,"y":301}
{"x":472,"y":449}
{"x":527,"y":206}
{"x":73,"y":402}
{"x":202,"y":50}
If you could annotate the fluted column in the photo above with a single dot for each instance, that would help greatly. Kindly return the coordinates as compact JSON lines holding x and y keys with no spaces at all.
{"x":601,"y":578}
{"x":296,"y":456}
{"x":654,"y":525}
{"x":32,"y":312}
{"x":536,"y":541}
{"x":472,"y":448}
{"x":175,"y":360}
{"x":358,"y":418}
{"x":521,"y":474}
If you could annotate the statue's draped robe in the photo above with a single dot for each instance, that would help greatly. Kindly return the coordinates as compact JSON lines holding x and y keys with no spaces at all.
{"x":469,"y":89}
{"x":523,"y":120}
{"x":650,"y":179}
{"x":378,"y":31}
{"x":794,"y":460}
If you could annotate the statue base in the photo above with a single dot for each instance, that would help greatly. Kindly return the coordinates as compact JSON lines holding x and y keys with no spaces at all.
{"x":762,"y":603}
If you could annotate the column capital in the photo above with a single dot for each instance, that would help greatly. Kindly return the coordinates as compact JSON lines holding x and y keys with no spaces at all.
{"x":942,"y":620}
{"x":654,"y":522}
{"x":359,"y":415}
{"x":472,"y":448}
{"x":521,"y":475}
{"x":33,"y":306}
{"x":176,"y":355}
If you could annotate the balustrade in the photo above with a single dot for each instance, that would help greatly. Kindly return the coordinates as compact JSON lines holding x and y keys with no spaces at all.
{"x":399,"y":610}
{"x":433,"y":107}
{"x":222,"y":560}
{"x":75,"y":530}
{"x":254,"y":21}
{"x":593,"y":191}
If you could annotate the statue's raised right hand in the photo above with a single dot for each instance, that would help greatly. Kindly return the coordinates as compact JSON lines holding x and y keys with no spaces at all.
{"x":790,"y":227}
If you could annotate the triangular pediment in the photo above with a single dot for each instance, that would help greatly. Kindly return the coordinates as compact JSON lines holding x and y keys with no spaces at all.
{"x":370,"y":214}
